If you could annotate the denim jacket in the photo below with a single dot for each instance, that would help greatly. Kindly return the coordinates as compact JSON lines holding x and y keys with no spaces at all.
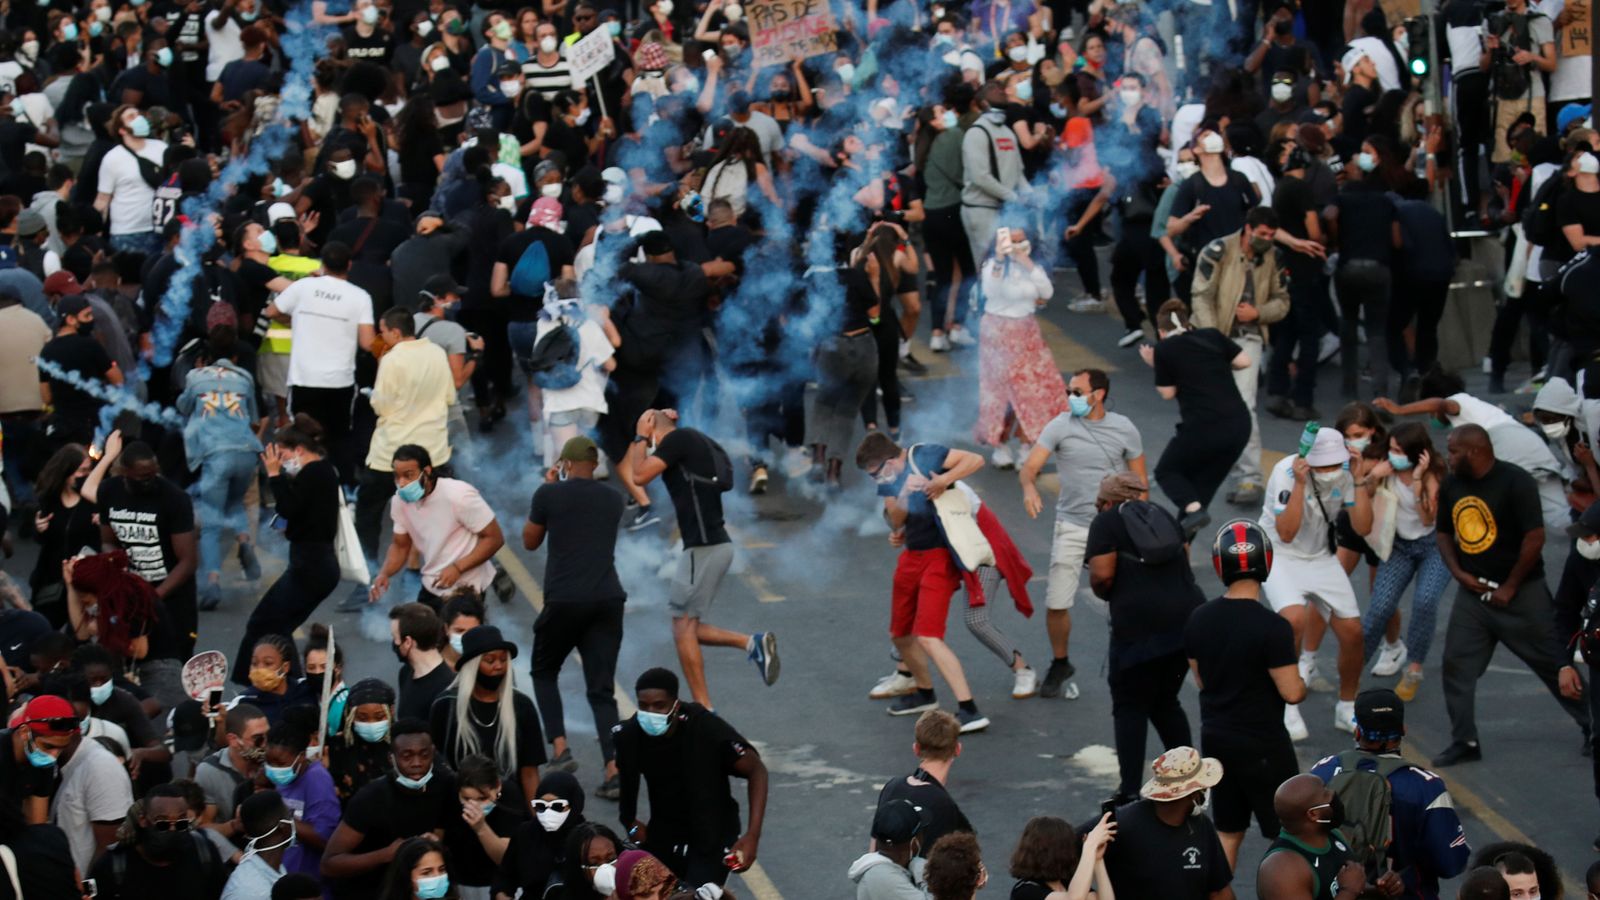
{"x":220,"y":401}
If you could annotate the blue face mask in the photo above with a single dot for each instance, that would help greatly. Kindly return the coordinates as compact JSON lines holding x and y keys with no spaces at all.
{"x":69,"y":32}
{"x":280,"y":775}
{"x":268,"y":242}
{"x":411,"y":493}
{"x":655,"y":724}
{"x":1058,"y":110}
{"x":164,"y":57}
{"x":1400,"y":462}
{"x":140,"y":127}
{"x":1078,"y":405}
{"x":100,"y":693}
{"x":372,"y":732}
{"x":38,"y":758}
{"x":413,"y":784}
{"x":950,"y":119}
{"x":614,"y":27}
{"x":280,"y":188}
{"x":95,"y":28}
{"x":487,"y":806}
{"x":1366,"y":162}
{"x":249,"y":16}
{"x":1025,"y":91}
{"x":433,"y":888}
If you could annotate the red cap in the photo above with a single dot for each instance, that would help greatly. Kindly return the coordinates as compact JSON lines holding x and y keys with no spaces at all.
{"x":1079,"y":131}
{"x":46,"y":714}
{"x":64,"y":283}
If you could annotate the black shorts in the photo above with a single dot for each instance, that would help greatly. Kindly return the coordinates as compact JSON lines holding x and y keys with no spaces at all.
{"x":1349,"y":540}
{"x":1250,"y":777}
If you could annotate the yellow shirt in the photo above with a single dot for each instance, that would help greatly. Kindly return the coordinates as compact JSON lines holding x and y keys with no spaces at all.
{"x":412,"y":399}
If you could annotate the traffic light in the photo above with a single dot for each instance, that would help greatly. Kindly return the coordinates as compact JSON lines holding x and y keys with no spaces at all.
{"x":1418,"y":35}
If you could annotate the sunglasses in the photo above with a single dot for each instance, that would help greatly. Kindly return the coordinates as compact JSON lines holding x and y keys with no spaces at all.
{"x":559,"y":806}
{"x":179,"y":825}
{"x":55,"y":724}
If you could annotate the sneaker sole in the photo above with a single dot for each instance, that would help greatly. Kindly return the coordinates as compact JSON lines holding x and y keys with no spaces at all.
{"x":889,"y":695}
{"x":769,"y":646}
{"x":645,"y":524}
{"x":1028,"y":696}
{"x":569,"y":766}
{"x":975,"y":725}
{"x":1049,"y":692}
{"x":913,"y":710}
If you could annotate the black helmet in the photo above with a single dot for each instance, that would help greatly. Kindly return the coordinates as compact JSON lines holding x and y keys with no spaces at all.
{"x":1240,"y":550}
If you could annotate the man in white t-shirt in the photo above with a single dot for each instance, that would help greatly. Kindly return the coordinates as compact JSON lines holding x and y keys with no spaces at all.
{"x":127,"y":182}
{"x":329,"y":319}
{"x":1304,"y":498}
{"x":94,"y":793}
{"x":224,"y":28}
{"x":576,"y":410}
{"x":446,"y":521}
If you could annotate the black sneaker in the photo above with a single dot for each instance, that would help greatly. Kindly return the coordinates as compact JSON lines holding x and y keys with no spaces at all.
{"x":1458,"y":752}
{"x":249,"y":563}
{"x":971,"y":721}
{"x":913,"y":365}
{"x":1281,"y":407}
{"x":564,"y":762}
{"x":913,"y":703}
{"x":210,"y":597}
{"x":1061,"y":670}
{"x":504,"y":587}
{"x":644,"y":518}
{"x":1191,"y":523}
{"x":610,"y":789}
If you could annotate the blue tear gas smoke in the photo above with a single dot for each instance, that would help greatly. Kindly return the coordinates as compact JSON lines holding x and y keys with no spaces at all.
{"x":116,"y":399}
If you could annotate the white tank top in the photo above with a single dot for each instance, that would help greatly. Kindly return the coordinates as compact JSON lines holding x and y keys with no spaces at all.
{"x":1407,"y":523}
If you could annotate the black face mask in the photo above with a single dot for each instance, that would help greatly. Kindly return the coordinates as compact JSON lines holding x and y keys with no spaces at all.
{"x":398,"y":653}
{"x":142,"y":487}
{"x":86,"y":328}
{"x":490,"y":682}
{"x":164,"y":845}
{"x":1282,"y":27}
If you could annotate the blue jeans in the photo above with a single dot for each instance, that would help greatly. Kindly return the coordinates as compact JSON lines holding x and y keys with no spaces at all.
{"x":224,"y":480}
{"x":1420,"y":559}
{"x":146,"y":242}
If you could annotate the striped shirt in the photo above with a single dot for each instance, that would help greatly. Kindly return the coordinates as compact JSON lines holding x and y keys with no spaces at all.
{"x":547,"y":81}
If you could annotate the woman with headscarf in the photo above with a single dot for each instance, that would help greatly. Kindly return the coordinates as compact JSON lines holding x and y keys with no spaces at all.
{"x":536,"y":858}
{"x":641,"y":876}
{"x":358,"y":752}
{"x":1019,"y":385}
{"x":481,"y":712}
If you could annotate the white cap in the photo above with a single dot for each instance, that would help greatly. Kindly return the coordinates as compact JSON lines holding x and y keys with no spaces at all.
{"x":1329,"y":449}
{"x":614,"y":175}
{"x":277,"y":212}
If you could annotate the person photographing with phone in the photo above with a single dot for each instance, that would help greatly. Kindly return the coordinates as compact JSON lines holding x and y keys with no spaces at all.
{"x":583,"y":597}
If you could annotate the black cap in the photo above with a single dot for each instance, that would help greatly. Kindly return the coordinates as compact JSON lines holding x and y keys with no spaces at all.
{"x":71,"y":305}
{"x":189,"y":726}
{"x":896,"y":822}
{"x":655,"y":243}
{"x":441,"y":284}
{"x":1380,"y":714}
{"x":481,"y":640}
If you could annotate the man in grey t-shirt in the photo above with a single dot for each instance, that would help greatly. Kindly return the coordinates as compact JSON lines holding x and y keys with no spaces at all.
{"x":438,"y":294}
{"x":1088,"y":444}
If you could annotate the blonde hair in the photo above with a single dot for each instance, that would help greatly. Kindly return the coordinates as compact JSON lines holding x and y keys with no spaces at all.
{"x":505,"y":723}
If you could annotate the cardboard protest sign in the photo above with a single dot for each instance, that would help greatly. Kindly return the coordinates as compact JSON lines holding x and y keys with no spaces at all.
{"x":783,"y":31}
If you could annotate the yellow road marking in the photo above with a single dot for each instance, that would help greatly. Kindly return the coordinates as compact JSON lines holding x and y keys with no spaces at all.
{"x":1071,"y":355}
{"x":760,"y":886}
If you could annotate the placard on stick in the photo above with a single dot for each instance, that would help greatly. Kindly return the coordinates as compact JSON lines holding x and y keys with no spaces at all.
{"x":783,"y":31}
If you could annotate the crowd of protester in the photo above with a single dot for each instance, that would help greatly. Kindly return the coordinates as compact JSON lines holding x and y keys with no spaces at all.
{"x":277,"y":274}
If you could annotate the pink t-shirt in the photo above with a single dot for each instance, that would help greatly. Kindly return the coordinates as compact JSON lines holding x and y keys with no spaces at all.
{"x":444,"y":527}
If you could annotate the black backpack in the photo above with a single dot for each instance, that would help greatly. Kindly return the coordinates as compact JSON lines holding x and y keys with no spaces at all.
{"x":1539,"y":223}
{"x":1154,"y":534}
{"x":553,"y":364}
{"x":721,"y":467}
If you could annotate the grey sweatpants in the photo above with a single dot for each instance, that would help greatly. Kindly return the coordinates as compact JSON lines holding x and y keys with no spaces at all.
{"x":1469,"y":642}
{"x":978,"y":223}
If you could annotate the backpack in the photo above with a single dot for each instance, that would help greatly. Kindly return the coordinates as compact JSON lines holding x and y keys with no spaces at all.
{"x":1587,"y":639}
{"x":721,"y":467}
{"x":1362,"y":786}
{"x":532,"y":270}
{"x":553,"y":364}
{"x":117,"y":856}
{"x":1155,"y":535}
{"x":1539,"y":223}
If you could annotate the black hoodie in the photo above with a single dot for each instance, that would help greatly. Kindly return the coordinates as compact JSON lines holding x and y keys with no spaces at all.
{"x":533,"y":859}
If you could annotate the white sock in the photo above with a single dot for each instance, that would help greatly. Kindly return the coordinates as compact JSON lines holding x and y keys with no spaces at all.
{"x":905,"y":348}
{"x":1308,"y":656}
{"x":1390,"y":645}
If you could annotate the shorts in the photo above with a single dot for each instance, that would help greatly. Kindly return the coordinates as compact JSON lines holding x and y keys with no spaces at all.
{"x":1250,"y":778}
{"x":1345,"y":534}
{"x":1507,"y":111}
{"x":1067,"y":547}
{"x":924,"y":582}
{"x":1296,"y":581}
{"x":585,"y":420}
{"x":272,"y":371}
{"x":700,"y":573}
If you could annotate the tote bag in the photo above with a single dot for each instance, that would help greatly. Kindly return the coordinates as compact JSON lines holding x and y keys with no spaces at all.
{"x":347,"y":547}
{"x":956,"y":511}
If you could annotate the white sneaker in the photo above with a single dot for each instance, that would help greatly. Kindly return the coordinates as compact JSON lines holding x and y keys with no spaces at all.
{"x":938,"y":343}
{"x":961,"y":337}
{"x":1026,"y":684}
{"x":1295,"y":725}
{"x":905,"y":348}
{"x":1327,"y":348}
{"x":1087,"y":305}
{"x":1131,"y":338}
{"x":894,"y":684}
{"x":1344,"y":715}
{"x":1003,"y":458}
{"x":1390,"y":658}
{"x":1312,"y":676}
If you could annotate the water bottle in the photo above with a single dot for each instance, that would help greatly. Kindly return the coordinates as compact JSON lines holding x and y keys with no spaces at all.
{"x":1308,"y":437}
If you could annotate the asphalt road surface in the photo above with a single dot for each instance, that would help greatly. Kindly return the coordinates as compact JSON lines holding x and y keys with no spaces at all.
{"x":816,"y":570}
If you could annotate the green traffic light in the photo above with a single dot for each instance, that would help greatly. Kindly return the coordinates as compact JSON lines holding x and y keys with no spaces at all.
{"x":1419,"y":66}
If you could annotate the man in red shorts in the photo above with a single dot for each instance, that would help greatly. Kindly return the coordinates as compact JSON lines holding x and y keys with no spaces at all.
{"x":925,"y":576}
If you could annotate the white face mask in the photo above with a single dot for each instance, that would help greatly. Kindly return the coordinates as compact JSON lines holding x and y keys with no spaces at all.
{"x":605,"y":879}
{"x":1130,"y":98}
{"x":1187,"y":169}
{"x":1589,"y":550}
{"x":583,"y":118}
{"x":1588,"y":164}
{"x":733,"y":12}
{"x":547,"y":44}
{"x":551,"y":190}
{"x":1018,"y":53}
{"x":613,"y":194}
{"x":664,"y":7}
{"x":508,"y":203}
{"x":511,"y":88}
{"x":440,"y":63}
{"x":550,"y":820}
{"x":424,"y":28}
{"x":30,"y":49}
{"x":846,"y":72}
{"x":103,"y":13}
{"x":345,"y":170}
{"x":1282,"y":91}
{"x":1555,"y":431}
{"x":1211,"y":143}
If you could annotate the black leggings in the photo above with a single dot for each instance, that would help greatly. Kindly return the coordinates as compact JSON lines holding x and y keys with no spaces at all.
{"x":1428,"y":299}
{"x":1081,"y":248}
{"x":491,"y":380}
{"x":1135,"y":254}
{"x":778,"y":412}
{"x":1146,"y":694}
{"x":1198,"y":459}
{"x":312,"y":575}
{"x":1297,"y":338}
{"x":594,"y":629}
{"x":947,"y":244}
{"x":887,"y":336}
{"x":1508,"y":318}
{"x":1474,"y":133}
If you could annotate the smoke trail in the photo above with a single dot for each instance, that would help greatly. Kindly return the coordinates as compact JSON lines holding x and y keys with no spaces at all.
{"x":117,"y":399}
{"x":304,"y":43}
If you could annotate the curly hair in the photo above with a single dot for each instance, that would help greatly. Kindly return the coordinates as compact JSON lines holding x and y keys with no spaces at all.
{"x":954,"y":867}
{"x":127,"y":603}
{"x":1047,"y":851}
